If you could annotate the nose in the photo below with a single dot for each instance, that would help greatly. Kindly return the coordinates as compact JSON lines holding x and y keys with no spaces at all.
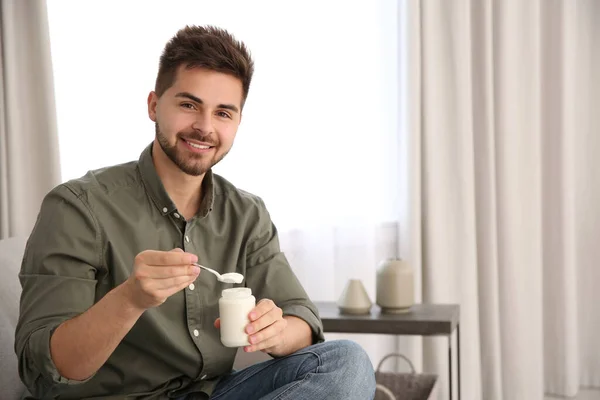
{"x":203,"y":123}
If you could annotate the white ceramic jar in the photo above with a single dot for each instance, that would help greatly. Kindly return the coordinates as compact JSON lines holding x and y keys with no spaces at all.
{"x":234,"y":306}
{"x":395,"y":286}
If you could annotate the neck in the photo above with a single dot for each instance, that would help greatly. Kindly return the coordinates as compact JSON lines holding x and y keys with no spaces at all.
{"x":183,"y":189}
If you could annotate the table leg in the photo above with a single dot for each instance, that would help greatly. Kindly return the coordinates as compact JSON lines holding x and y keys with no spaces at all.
{"x":450,"y":365}
{"x":458,"y":356}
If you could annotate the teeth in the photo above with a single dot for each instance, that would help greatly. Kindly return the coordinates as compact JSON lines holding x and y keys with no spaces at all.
{"x":198,"y":146}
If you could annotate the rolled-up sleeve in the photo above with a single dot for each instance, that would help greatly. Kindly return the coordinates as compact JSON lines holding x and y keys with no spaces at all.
{"x":58,"y":279}
{"x":270,"y":276}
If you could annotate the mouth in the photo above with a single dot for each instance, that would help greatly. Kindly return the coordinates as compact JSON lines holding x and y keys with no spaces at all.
{"x":197,"y":147}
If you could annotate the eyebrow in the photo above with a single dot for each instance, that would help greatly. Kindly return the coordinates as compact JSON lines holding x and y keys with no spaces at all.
{"x":199,"y":101}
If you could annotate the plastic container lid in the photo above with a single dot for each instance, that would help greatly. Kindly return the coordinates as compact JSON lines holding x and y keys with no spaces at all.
{"x":236,"y":293}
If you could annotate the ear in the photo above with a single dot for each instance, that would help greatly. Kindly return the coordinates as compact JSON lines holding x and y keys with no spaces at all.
{"x":152,"y":104}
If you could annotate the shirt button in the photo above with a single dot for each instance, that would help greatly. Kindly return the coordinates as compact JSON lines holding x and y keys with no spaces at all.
{"x":187,"y":238}
{"x":165,"y":209}
{"x":176,"y":215}
{"x":204,"y":376}
{"x":196,"y":333}
{"x":192,"y":287}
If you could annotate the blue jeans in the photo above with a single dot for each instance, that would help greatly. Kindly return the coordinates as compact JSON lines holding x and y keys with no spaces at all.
{"x":337,"y":369}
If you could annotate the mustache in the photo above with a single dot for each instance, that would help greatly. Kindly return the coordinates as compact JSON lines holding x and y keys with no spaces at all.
{"x":198,"y":137}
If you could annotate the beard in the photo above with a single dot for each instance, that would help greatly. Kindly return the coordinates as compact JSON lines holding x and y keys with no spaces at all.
{"x":190,"y":163}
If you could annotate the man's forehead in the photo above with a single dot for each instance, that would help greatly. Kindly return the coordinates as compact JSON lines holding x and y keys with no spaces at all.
{"x":208,"y":85}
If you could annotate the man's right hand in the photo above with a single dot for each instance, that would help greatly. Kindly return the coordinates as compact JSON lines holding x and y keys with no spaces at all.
{"x":81,"y":345}
{"x":159,"y":274}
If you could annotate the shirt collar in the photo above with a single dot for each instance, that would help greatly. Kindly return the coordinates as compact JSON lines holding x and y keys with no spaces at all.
{"x":157,"y":191}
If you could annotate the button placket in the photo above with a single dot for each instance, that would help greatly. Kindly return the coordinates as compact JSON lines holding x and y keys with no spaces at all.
{"x":191,"y":309}
{"x":193,"y":298}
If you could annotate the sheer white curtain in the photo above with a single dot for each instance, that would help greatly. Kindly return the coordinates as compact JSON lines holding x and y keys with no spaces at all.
{"x":319,"y":136}
{"x":29,"y":164}
{"x":503,"y":173}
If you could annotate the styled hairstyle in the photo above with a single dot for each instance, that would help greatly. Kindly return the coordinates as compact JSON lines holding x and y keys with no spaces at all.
{"x":204,"y":47}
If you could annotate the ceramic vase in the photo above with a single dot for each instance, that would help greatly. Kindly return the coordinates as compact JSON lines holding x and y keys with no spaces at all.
{"x":395,"y":286}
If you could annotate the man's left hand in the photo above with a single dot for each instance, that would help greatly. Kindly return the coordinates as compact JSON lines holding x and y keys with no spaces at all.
{"x":266,"y":328}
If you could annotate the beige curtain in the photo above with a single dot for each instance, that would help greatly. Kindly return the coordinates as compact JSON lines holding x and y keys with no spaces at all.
{"x":29,"y":159}
{"x":503,"y":189}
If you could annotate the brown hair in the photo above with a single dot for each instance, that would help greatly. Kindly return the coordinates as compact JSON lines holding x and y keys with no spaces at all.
{"x":204,"y":47}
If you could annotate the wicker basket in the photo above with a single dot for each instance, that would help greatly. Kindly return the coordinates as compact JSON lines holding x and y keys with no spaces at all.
{"x":404,"y":386}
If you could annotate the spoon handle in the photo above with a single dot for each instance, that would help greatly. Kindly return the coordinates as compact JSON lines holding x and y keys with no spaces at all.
{"x":215,"y":273}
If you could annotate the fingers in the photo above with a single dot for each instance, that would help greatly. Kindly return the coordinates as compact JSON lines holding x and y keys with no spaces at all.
{"x":181,"y":287}
{"x":264,"y":314}
{"x":156,"y":285}
{"x":159,"y":274}
{"x":169,"y":291}
{"x":164,"y":272}
{"x":153,"y":264}
{"x":272,"y":336}
{"x":162,"y":258}
{"x":266,"y":327}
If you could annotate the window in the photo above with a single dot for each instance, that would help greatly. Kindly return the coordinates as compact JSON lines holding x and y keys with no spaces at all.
{"x":318,"y":140}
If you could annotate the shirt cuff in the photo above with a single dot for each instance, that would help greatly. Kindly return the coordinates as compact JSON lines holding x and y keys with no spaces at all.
{"x":39,"y":346}
{"x":309,"y":317}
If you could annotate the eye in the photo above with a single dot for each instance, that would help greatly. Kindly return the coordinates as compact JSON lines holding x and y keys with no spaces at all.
{"x":223,"y":114}
{"x":188,"y":106}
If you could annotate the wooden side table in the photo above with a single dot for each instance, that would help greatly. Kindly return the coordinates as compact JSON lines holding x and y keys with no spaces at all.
{"x":422,"y":320}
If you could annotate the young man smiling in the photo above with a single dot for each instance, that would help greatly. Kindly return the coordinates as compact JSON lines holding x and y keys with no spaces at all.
{"x":112,"y":306}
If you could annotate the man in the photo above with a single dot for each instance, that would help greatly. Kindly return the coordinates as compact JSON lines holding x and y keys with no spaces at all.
{"x":112,"y":305}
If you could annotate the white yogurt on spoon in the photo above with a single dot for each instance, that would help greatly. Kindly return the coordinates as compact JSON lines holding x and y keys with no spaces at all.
{"x":229,"y":277}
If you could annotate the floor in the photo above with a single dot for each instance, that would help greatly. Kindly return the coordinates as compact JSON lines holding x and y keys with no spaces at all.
{"x":583,"y":395}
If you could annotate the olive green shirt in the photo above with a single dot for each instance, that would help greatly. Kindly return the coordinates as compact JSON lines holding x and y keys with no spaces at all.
{"x":83,"y":245}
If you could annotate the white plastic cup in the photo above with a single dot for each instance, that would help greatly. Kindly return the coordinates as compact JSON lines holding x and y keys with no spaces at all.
{"x":234,"y":306}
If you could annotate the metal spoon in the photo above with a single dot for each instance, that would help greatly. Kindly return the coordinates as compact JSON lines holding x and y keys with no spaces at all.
{"x":230,"y":277}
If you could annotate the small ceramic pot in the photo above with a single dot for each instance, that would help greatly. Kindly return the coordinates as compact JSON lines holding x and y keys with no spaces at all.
{"x":354,"y":298}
